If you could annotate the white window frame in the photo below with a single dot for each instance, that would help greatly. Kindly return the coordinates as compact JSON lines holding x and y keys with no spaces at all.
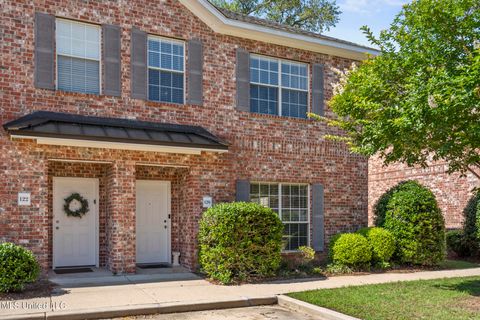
{"x":151,"y":36}
{"x":280,"y":185}
{"x":279,"y":86}
{"x":100,"y":86}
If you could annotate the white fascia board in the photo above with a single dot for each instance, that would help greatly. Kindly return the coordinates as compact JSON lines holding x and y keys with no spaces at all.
{"x":117,"y":145}
{"x":206,"y":12}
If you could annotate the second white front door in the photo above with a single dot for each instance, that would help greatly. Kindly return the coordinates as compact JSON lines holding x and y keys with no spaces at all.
{"x":153,"y":221}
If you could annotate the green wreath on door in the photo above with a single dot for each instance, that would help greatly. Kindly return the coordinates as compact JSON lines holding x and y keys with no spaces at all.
{"x":80,"y":212}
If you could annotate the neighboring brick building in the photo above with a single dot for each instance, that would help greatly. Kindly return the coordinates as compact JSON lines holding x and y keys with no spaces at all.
{"x":180,"y":72}
{"x":451,"y":190}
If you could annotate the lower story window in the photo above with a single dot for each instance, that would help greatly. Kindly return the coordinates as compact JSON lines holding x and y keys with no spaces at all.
{"x":290,"y":201}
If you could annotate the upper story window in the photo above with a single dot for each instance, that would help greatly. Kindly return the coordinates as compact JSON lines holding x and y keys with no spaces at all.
{"x":78,"y":56}
{"x":166,"y":59}
{"x":278,"y":87}
{"x":290,"y":201}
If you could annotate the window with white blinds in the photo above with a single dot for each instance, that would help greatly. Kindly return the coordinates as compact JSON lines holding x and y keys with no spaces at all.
{"x":78,"y":56}
{"x":291,"y":203}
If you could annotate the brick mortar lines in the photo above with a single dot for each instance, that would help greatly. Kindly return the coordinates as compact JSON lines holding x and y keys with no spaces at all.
{"x":302,"y":155}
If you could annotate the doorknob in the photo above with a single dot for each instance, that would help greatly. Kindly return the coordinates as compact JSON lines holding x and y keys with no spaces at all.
{"x":57,"y":228}
{"x":164,"y":226}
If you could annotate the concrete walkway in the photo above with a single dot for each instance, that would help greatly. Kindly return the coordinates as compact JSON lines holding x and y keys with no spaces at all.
{"x":256,"y":313}
{"x":160,"y":295}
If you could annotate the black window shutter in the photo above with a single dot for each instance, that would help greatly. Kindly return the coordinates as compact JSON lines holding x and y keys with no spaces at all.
{"x":317,"y":90}
{"x":138,"y":64}
{"x":111,"y":60}
{"x":44,"y":51}
{"x":243,"y":191}
{"x":317,"y":217}
{"x":243,"y":80}
{"x":195,"y":72}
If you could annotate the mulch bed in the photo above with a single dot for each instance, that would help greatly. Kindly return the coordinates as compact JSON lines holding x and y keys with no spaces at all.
{"x":323,"y":276}
{"x":38,"y":289}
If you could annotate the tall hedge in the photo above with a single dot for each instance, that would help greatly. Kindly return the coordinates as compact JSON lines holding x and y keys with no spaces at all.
{"x":416,"y":222}
{"x":471,"y":225}
{"x":239,"y":241}
{"x":380,"y":207}
{"x":468,"y":243}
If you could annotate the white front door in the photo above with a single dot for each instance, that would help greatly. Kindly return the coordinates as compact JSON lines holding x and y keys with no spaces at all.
{"x":153,"y":221}
{"x":75,"y":240}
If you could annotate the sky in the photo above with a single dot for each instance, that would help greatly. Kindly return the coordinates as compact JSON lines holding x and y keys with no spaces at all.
{"x":377,"y":14}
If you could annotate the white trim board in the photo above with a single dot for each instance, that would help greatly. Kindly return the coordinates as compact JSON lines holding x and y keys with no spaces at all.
{"x":219,"y":23}
{"x":116,"y":145}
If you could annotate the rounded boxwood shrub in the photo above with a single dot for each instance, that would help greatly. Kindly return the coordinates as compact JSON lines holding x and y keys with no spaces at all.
{"x":331,"y":244}
{"x":381,"y":241}
{"x":416,"y":222}
{"x":351,"y":249}
{"x":239,"y":241}
{"x":380,"y":207}
{"x":18,"y":266}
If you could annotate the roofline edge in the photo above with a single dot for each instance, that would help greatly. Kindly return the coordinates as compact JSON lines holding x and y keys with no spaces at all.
{"x":219,"y":23}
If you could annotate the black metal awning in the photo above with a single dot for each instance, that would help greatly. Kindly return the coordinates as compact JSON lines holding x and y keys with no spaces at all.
{"x":63,"y":129}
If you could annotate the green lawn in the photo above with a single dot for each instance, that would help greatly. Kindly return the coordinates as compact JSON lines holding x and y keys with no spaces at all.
{"x":443,"y":299}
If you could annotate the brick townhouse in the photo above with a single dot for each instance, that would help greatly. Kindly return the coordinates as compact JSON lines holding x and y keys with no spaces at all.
{"x":122,"y":121}
{"x":452,"y":191}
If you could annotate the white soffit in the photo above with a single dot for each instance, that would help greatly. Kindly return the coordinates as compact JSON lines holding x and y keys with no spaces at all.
{"x":219,"y":23}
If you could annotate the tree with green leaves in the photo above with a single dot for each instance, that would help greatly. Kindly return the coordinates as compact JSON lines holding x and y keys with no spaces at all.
{"x":419,"y":99}
{"x":309,"y":15}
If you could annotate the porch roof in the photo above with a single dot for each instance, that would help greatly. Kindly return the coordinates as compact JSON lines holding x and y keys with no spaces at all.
{"x":88,"y":131}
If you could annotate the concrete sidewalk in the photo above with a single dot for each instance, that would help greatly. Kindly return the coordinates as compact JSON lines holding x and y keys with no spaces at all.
{"x":140,"y":297}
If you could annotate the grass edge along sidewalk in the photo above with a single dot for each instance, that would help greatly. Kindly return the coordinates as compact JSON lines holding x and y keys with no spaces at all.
{"x":439,"y":299}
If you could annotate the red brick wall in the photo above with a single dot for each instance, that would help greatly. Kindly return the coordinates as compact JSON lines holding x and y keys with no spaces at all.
{"x":451,"y":190}
{"x":262,"y":147}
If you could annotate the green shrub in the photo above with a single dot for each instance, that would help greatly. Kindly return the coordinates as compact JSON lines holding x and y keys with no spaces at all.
{"x":456,"y":242}
{"x":471,"y":225}
{"x":335,"y":268}
{"x":239,"y":241}
{"x":307,"y":254}
{"x":331,"y":244}
{"x":382,"y":243}
{"x":416,"y":222}
{"x":471,"y":217}
{"x":364,"y":231}
{"x":466,"y":242}
{"x":351,"y":249}
{"x":380,"y":207}
{"x":18,"y":267}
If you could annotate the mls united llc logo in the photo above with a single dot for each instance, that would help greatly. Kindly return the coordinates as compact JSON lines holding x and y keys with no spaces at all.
{"x":24,"y":305}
